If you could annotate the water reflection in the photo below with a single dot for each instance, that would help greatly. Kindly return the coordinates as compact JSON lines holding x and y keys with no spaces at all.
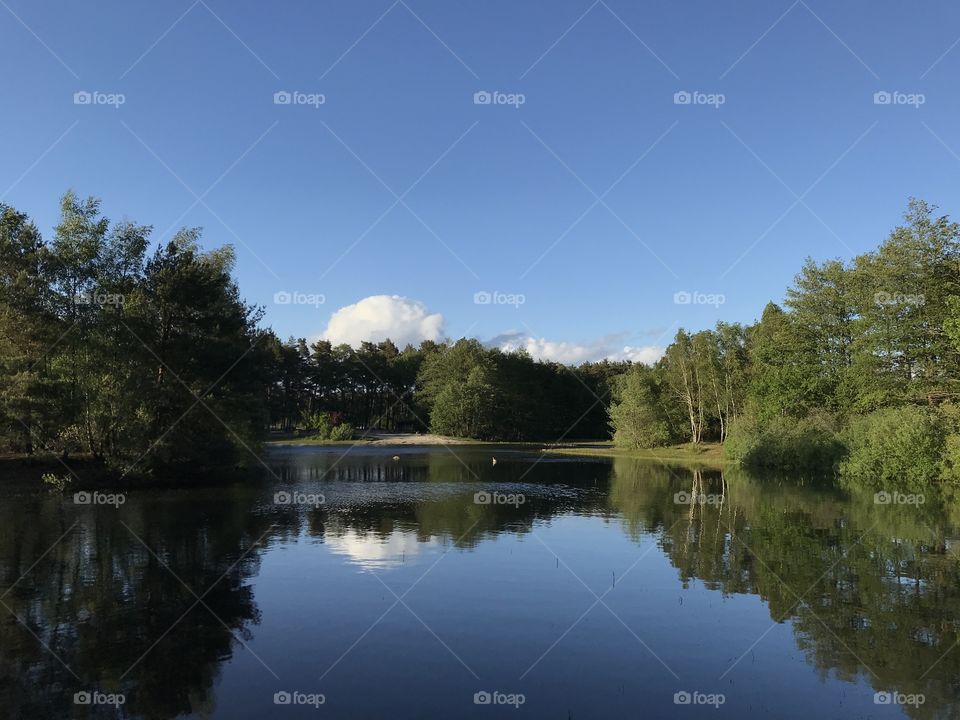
{"x":86,"y":612}
{"x":376,"y":551}
{"x":871,"y":592}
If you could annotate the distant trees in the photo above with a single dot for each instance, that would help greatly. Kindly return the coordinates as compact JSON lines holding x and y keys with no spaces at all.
{"x":473,"y":391}
{"x":692,"y":393}
{"x":462,"y":389}
{"x":371,"y":386}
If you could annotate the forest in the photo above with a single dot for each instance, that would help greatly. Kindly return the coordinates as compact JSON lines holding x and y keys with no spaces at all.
{"x":150,"y":360}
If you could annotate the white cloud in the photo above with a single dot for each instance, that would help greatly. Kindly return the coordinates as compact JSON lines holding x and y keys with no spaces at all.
{"x":647,"y":354}
{"x":571,"y":353}
{"x":378,"y":317}
{"x":407,"y":321}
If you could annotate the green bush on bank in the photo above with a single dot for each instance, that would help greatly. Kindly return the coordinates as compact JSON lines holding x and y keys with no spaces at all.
{"x":343,"y":431}
{"x":324,"y":427}
{"x":903,"y":448}
{"x":907,"y":448}
{"x":807,"y":443}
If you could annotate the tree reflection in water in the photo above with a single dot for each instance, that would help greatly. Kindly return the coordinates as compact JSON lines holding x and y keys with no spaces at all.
{"x":872,"y":591}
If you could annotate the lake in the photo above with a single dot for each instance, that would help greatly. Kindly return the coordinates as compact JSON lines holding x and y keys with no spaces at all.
{"x":442,"y":585}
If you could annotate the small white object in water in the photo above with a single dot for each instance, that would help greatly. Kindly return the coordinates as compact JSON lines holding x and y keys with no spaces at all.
{"x":494,"y":461}
{"x":396,"y":458}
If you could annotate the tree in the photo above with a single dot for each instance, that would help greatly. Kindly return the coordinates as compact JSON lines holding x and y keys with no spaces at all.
{"x":902,"y":350}
{"x":636,"y":416}
{"x":467,"y":409}
{"x":823,"y":313}
{"x":27,"y":329}
{"x":684,"y":364}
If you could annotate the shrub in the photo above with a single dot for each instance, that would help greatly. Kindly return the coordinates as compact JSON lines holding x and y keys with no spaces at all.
{"x":321,"y":425}
{"x":343,"y":431}
{"x":53,"y":483}
{"x":784,"y":442}
{"x":950,"y":464}
{"x":895,"y":448}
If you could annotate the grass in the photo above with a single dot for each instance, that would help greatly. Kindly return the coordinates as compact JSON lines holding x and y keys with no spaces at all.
{"x":710,"y":454}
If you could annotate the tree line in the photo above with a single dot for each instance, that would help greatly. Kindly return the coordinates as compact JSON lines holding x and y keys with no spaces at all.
{"x":462,"y":389}
{"x":859,"y":369}
{"x":151,"y":359}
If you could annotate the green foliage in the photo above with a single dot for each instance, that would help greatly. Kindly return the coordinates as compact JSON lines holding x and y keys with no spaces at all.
{"x":895,"y":448}
{"x":327,"y":426}
{"x":142,"y":362}
{"x":637,"y":416}
{"x":343,"y":431}
{"x":784,"y":442}
{"x":155,"y":360}
{"x":54,"y":483}
{"x":320,"y":424}
{"x":472,"y":391}
{"x":467,"y":409}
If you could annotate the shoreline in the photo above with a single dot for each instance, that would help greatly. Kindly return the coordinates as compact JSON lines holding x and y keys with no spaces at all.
{"x":706,"y":454}
{"x":22,"y":472}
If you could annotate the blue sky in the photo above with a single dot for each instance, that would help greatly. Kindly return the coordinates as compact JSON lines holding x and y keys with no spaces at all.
{"x":595,"y":201}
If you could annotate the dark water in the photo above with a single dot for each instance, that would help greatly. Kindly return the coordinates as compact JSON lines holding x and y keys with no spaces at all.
{"x":400,"y":596}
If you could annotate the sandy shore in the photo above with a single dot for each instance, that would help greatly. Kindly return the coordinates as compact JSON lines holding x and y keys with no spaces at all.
{"x":382,"y":438}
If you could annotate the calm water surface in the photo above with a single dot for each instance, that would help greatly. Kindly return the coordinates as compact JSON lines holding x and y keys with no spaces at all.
{"x":403,"y":594}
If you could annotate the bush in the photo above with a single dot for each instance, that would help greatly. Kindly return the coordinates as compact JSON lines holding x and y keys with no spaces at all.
{"x":320,"y":424}
{"x":950,"y":464}
{"x":787,"y":443}
{"x":895,"y":448}
{"x":325,"y":426}
{"x":55,"y":484}
{"x":343,"y":431}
